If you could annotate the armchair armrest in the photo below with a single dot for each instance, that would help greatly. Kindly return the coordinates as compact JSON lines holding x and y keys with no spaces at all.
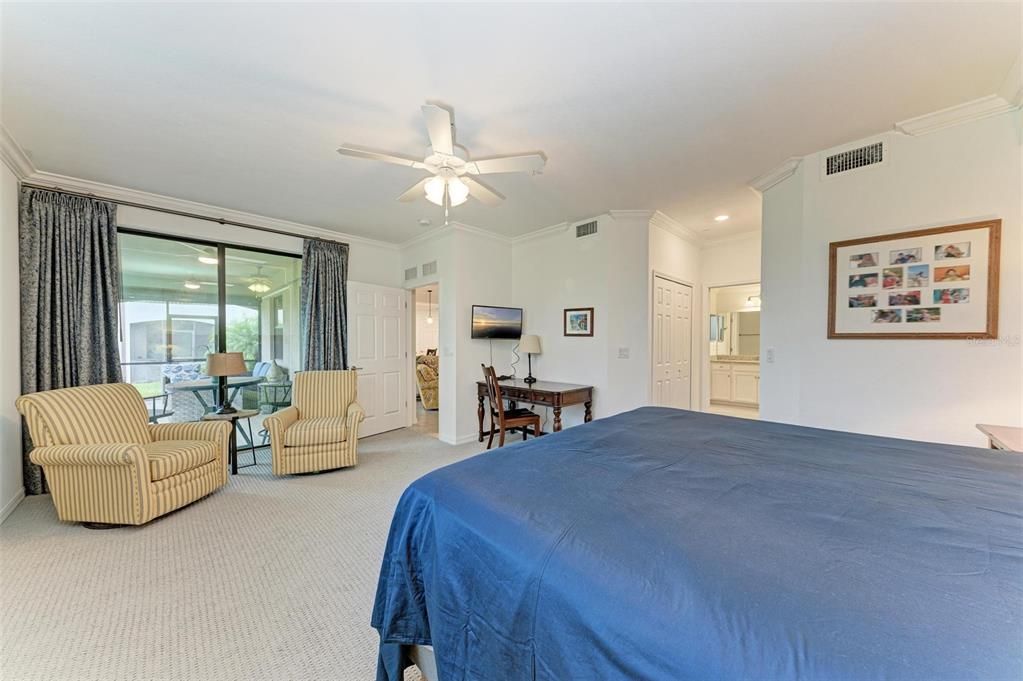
{"x":114,"y":454}
{"x":353,"y":418}
{"x":355,"y":414}
{"x":212,"y":431}
{"x":278,"y":422}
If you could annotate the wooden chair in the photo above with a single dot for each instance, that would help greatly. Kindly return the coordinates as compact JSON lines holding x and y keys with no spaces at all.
{"x":502,"y":419}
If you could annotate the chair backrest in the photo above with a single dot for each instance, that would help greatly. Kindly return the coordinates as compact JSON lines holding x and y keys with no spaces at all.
{"x":324,"y":393}
{"x":494,"y":393}
{"x":88,"y":415}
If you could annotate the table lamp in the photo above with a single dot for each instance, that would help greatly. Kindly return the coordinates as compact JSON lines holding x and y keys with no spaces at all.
{"x":530,"y":345}
{"x":221,"y":365}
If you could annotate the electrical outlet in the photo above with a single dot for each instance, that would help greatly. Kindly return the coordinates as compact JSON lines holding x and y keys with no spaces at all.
{"x":769,"y":355}
{"x":623,"y":353}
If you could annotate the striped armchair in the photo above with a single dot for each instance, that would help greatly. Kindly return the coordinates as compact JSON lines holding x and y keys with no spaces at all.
{"x":320,"y":430}
{"x":107,"y":465}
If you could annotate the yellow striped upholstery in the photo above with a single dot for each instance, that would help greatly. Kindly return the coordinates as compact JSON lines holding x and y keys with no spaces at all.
{"x":106,"y":464}
{"x":171,"y":457}
{"x":88,"y":415}
{"x":320,"y":431}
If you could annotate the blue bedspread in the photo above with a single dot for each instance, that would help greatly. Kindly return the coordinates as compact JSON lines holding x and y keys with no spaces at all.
{"x":673,"y":545}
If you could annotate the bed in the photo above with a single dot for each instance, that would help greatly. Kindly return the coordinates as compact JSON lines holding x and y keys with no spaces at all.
{"x":669,"y":545}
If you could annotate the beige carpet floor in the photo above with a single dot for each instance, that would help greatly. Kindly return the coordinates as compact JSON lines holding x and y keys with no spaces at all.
{"x":269,"y":578}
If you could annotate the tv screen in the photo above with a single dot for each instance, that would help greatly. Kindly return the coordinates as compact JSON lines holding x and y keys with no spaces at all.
{"x":496,"y":322}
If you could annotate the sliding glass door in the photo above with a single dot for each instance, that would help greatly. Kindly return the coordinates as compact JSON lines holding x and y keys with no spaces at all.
{"x":184,"y":299}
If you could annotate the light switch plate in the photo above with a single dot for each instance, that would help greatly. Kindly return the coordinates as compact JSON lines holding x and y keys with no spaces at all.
{"x":623,"y":353}
{"x":769,"y":355}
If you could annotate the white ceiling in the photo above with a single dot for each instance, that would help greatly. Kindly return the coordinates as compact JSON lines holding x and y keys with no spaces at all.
{"x":673,"y":107}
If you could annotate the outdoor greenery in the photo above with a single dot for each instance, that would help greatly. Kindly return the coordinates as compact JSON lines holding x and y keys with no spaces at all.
{"x":243,"y":337}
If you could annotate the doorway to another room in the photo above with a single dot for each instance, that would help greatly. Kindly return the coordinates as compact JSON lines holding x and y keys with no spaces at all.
{"x":427,"y":305}
{"x":734,"y":350}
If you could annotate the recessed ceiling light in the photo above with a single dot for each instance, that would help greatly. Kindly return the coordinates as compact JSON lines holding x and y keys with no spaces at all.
{"x":720,"y":218}
{"x":208,"y":260}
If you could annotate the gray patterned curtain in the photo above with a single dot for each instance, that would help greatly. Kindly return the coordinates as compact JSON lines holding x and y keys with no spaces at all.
{"x":70,"y":281}
{"x":324,"y":304}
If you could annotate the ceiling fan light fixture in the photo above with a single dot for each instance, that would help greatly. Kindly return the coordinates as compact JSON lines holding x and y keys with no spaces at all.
{"x":435,"y":190}
{"x":458,"y":191}
{"x":259,"y":285}
{"x":192,"y":285}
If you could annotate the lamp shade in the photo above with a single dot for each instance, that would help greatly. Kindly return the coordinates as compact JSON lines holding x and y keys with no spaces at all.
{"x":530,"y":343}
{"x":225,"y":364}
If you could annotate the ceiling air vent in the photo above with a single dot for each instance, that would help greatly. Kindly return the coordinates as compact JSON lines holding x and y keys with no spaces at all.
{"x":854,"y":158}
{"x":429,"y":268}
{"x":585,"y":229}
{"x":411,"y":273}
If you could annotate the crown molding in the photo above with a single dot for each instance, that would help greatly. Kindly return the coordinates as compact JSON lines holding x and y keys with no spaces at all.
{"x":479,"y":231}
{"x":632,"y":214}
{"x":115,"y":194}
{"x":659,"y":219}
{"x":992,"y":105}
{"x":13,"y":156}
{"x":542,"y":232}
{"x":428,"y":235}
{"x":780,"y":173}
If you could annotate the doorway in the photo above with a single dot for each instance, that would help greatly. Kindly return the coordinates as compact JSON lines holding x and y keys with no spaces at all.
{"x":427,"y":363}
{"x":672,"y":355}
{"x":733,"y":324}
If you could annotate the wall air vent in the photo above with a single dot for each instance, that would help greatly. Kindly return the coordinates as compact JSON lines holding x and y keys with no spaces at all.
{"x":429,"y":268}
{"x":854,"y":158}
{"x":586,"y":229}
{"x":411,"y":273}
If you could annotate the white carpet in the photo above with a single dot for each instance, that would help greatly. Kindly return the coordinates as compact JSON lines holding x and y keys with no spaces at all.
{"x":269,"y":578}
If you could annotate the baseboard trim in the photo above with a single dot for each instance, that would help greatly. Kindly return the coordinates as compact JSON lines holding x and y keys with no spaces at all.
{"x":12,"y":504}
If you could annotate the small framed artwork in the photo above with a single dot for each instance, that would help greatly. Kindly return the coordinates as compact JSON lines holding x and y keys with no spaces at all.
{"x":935,"y":283}
{"x":579,"y":321}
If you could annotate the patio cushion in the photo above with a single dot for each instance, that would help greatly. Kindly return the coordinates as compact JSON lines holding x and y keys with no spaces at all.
{"x":319,"y":431}
{"x":168,"y":458}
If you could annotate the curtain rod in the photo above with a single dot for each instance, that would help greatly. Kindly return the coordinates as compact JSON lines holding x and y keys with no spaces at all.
{"x":180,"y":213}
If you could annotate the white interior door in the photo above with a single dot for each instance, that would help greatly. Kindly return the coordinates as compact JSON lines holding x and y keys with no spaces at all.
{"x":377,"y":347}
{"x":673,"y":339}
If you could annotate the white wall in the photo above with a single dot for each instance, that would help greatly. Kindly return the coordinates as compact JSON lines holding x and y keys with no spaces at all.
{"x":734,"y":260}
{"x":11,"y":487}
{"x":439,"y":247}
{"x":554,"y":271}
{"x":920,"y":389}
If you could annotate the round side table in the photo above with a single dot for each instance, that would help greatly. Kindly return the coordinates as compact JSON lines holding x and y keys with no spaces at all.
{"x":232,"y":449}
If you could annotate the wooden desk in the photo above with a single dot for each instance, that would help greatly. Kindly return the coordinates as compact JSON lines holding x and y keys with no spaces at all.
{"x":1007,"y":438}
{"x":543,"y":393}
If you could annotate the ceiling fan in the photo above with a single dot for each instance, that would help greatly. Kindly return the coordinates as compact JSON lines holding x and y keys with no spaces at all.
{"x":453,"y":174}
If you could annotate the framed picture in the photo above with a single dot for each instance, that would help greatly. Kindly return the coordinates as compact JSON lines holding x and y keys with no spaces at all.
{"x":935,"y":283}
{"x":579,"y":321}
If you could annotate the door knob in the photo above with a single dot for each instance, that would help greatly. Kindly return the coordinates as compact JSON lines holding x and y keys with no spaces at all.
{"x":355,"y":368}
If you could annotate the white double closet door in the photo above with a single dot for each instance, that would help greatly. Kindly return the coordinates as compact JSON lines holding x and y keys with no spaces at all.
{"x":673,"y":344}
{"x":376,"y":348}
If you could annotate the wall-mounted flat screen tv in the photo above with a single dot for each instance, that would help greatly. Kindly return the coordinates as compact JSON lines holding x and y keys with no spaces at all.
{"x":496,"y":322}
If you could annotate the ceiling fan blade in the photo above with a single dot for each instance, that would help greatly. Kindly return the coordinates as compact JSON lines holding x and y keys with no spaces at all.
{"x":374,"y":155}
{"x":438,"y":127}
{"x":481,"y":192}
{"x":416,"y":191}
{"x":524,"y":163}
